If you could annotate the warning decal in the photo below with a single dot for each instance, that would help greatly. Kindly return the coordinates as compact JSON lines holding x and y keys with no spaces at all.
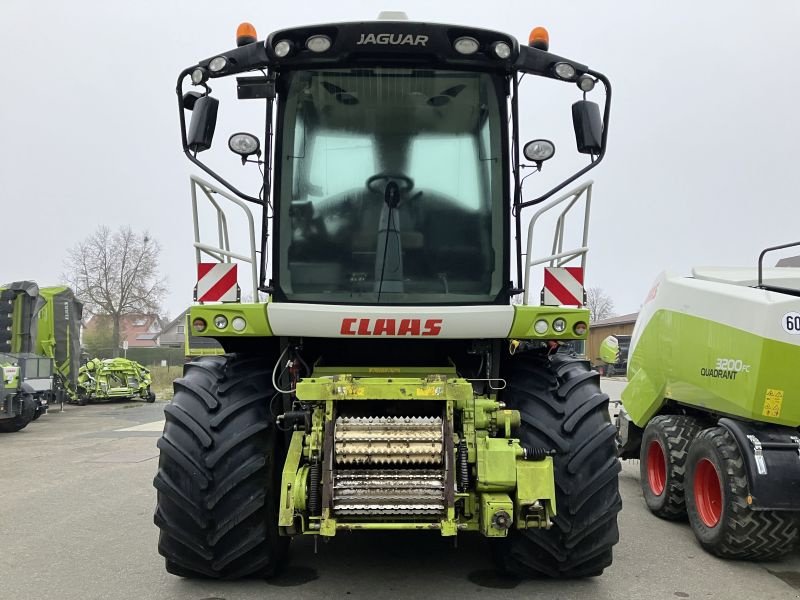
{"x":216,"y":282}
{"x":772,"y":403}
{"x":563,"y":286}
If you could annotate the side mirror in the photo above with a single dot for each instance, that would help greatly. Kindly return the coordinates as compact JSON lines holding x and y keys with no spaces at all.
{"x":588,"y":126}
{"x":203,"y":123}
{"x":189,"y":98}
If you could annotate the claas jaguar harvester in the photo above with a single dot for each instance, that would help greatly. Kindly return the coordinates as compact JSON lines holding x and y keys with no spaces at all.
{"x":388,"y":382}
{"x":712,"y":407}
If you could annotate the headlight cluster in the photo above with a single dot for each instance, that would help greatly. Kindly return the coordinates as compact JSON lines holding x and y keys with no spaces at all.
{"x":558,"y":327}
{"x":468,"y":45}
{"x":238,"y":324}
{"x":316,"y":43}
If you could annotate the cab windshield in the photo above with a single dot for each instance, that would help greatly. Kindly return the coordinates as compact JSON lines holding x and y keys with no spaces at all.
{"x":391,"y":187}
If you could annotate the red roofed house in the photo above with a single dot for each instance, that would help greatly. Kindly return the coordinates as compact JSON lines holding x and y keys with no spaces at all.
{"x":140,"y":331}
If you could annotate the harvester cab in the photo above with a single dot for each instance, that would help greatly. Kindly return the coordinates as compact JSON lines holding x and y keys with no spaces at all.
{"x":389,"y":381}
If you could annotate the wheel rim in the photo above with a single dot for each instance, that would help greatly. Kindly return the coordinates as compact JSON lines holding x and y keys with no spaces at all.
{"x":707,"y":493}
{"x":656,"y":468}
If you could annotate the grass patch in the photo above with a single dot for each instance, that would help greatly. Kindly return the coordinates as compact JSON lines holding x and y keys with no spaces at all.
{"x":162,"y":380}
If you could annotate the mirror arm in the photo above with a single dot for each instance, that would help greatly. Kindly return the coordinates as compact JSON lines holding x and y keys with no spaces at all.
{"x":606,"y":116}
{"x":187,"y":151}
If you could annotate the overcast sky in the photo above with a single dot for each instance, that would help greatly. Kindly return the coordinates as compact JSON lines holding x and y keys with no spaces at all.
{"x":703,"y":149}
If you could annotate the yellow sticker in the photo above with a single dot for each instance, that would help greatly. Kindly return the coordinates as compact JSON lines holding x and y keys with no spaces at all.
{"x":772,"y":403}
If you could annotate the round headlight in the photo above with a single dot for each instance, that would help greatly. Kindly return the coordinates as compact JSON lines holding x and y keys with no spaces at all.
{"x":466,"y":45}
{"x":199,"y":325}
{"x":318,"y":43}
{"x":220,"y":321}
{"x":539,"y":150}
{"x":502,"y":50}
{"x":586,"y":83}
{"x":559,"y":325}
{"x":540,"y":326}
{"x":282,"y":48}
{"x":565,"y":70}
{"x":238,"y":324}
{"x":217,"y":64}
{"x":244,"y":144}
{"x":199,"y":75}
{"x":580,"y":328}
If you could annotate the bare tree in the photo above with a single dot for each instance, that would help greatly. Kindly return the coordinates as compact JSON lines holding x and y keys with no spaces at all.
{"x":600,"y":304}
{"x":116,"y":274}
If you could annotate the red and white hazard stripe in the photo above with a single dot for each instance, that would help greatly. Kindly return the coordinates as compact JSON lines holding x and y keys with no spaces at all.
{"x":563,"y":286}
{"x":216,"y":282}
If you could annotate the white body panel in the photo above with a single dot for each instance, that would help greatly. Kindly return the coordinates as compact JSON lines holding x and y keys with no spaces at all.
{"x":723,"y":296}
{"x":326,"y":320}
{"x":783,"y":277}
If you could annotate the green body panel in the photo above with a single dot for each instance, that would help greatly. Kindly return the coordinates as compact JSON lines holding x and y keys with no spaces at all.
{"x":254,"y":314}
{"x":491,"y":505}
{"x":609,"y":350}
{"x":10,"y":377}
{"x":198,"y":346}
{"x":503,"y":481}
{"x":496,"y":464}
{"x":346,"y":387}
{"x":526,"y":316}
{"x":535,"y":482}
{"x":714,"y":367}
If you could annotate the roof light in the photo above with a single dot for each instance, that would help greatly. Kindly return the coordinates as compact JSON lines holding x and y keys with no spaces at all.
{"x":282,"y":48}
{"x":501,"y":50}
{"x":199,"y":75}
{"x":539,"y":150}
{"x":539,"y":38}
{"x":586,"y":83}
{"x":244,"y":144}
{"x":217,"y":64}
{"x":565,"y":70}
{"x":318,"y":43}
{"x":245,"y":34}
{"x":466,"y":45}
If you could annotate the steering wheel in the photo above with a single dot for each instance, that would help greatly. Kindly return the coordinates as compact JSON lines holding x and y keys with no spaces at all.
{"x":404,"y":182}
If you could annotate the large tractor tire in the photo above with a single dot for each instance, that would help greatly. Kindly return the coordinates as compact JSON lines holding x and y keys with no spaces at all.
{"x":662,"y":464}
{"x":563,"y":409}
{"x":20,"y":422}
{"x":218,"y":474}
{"x":716,"y":501}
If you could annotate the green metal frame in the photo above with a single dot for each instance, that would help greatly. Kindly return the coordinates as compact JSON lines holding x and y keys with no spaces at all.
{"x":504,"y":481}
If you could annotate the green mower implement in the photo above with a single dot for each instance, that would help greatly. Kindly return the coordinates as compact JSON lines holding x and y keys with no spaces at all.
{"x":113,"y":379}
{"x":712,"y":407}
{"x":28,"y":384}
{"x":390,"y":380}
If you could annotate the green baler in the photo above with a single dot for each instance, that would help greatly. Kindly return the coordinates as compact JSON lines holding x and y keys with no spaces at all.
{"x":712,"y":407}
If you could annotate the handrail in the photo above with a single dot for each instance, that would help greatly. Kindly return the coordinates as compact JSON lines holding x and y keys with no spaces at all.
{"x":222,"y":253}
{"x":559,"y":256}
